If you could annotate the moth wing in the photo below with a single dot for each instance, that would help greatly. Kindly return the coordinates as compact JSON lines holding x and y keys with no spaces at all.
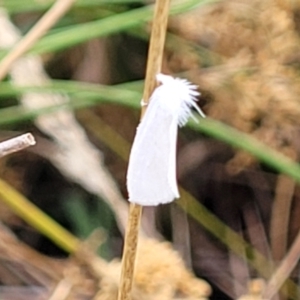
{"x":151,"y":176}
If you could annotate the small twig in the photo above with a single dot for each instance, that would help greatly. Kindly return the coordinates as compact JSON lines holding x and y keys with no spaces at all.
{"x":16,"y":144}
{"x":155,"y":56}
{"x":41,"y":27}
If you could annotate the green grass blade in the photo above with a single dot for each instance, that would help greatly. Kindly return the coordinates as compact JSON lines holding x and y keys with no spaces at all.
{"x":37,"y":218}
{"x":81,"y":94}
{"x":90,"y":94}
{"x":18,"y":6}
{"x":237,"y":139}
{"x":77,"y":34}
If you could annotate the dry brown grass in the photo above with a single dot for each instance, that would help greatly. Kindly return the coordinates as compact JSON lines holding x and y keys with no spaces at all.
{"x":251,"y":76}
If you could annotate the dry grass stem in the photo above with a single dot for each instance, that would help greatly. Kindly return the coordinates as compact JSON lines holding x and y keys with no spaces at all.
{"x":284,"y":270}
{"x":285,"y":189}
{"x":69,"y":139}
{"x":16,"y":144}
{"x":156,"y":48}
{"x":62,"y":290}
{"x":45,"y":23}
{"x":155,"y":56}
{"x":129,"y":252}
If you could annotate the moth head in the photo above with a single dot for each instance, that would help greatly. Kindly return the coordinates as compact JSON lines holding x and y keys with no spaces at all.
{"x":163,"y":79}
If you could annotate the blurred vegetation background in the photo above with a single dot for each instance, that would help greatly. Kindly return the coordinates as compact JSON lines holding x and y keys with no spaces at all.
{"x":78,"y":90}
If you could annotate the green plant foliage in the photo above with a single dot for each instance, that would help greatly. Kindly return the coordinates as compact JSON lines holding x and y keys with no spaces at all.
{"x":85,"y":217}
{"x":84,"y":95}
{"x":18,"y":6}
{"x":105,"y":18}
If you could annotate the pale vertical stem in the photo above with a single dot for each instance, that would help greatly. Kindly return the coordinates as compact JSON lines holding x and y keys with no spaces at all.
{"x":40,"y":28}
{"x":156,"y":48}
{"x":283,"y":271}
{"x":129,"y":251}
{"x":281,"y":210}
{"x":155,"y":56}
{"x":16,"y":144}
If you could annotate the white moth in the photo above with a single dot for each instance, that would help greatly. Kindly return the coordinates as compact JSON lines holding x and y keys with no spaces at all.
{"x":151,"y":175}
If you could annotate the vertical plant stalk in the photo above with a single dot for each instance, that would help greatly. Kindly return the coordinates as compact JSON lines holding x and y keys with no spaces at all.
{"x":155,"y":56}
{"x":59,"y":8}
{"x":156,"y":48}
{"x":281,"y":210}
{"x":16,"y":144}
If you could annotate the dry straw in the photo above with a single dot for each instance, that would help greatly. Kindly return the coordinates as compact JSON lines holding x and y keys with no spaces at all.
{"x":59,"y":8}
{"x":155,"y":56}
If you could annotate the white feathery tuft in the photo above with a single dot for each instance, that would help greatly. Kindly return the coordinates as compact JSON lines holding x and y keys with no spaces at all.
{"x":182,"y":95}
